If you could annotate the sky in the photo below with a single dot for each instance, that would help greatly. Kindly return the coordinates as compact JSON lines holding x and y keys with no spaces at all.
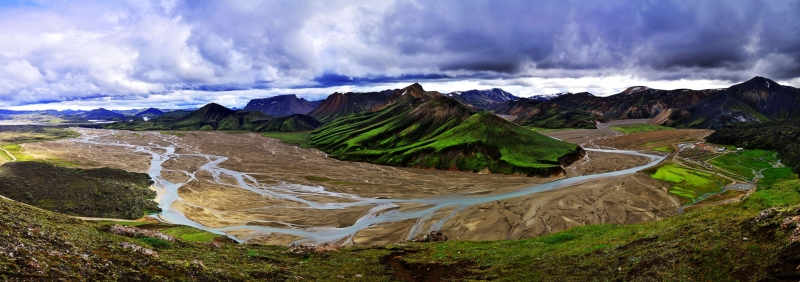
{"x":69,"y":54}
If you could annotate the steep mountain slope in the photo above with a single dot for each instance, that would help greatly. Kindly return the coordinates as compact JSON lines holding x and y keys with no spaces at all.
{"x":769,"y":98}
{"x":283,"y":105}
{"x":101,"y":114}
{"x":442,"y":133}
{"x":339,"y":105}
{"x":536,"y":113}
{"x":149,"y":113}
{"x":713,"y":112}
{"x":296,"y":122}
{"x":483,"y":100}
{"x":632,"y":104}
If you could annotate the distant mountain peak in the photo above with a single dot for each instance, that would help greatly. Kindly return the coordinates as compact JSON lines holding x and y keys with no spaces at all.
{"x":414,"y":90}
{"x":759,"y":82}
{"x":282,"y":105}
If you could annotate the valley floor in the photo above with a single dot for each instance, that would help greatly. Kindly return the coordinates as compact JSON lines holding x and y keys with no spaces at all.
{"x":215,"y":200}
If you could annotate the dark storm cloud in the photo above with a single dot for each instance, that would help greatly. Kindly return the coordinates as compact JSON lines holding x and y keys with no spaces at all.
{"x":509,"y":36}
{"x":57,"y":50}
{"x":332,"y":79}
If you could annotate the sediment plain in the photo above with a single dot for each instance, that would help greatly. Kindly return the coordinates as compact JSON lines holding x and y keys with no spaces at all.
{"x":215,"y":201}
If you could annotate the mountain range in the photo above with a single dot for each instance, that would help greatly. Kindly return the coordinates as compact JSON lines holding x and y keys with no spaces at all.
{"x":217,"y":117}
{"x":485,"y":100}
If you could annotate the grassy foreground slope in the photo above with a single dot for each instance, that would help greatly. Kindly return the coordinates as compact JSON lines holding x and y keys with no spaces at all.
{"x":442,"y":133}
{"x":752,"y":240}
{"x":101,"y":192}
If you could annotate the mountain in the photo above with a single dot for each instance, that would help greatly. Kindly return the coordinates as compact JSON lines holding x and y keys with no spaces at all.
{"x":149,"y":113}
{"x":713,"y":112}
{"x":758,"y":99}
{"x":295,"y":122}
{"x":217,"y":117}
{"x":439,"y":132}
{"x":283,"y":105}
{"x":339,"y":104}
{"x":101,"y":114}
{"x":546,"y":114}
{"x":769,"y":98}
{"x":632,"y":104}
{"x":483,"y":100}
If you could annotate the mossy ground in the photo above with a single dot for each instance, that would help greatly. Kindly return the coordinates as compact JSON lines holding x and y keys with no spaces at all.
{"x":299,"y":138}
{"x":689,"y":184}
{"x":636,"y":128}
{"x":99,"y":192}
{"x":747,"y":162}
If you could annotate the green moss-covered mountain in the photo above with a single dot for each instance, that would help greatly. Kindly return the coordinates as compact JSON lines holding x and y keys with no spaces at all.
{"x":216,"y":117}
{"x":101,"y":192}
{"x":439,"y":132}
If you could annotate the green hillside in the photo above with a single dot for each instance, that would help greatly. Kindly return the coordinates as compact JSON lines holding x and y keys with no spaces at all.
{"x":445,"y":134}
{"x":749,"y":241}
{"x":296,"y":122}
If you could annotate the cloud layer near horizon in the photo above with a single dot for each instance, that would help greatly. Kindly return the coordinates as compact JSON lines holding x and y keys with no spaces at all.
{"x":169,"y":51}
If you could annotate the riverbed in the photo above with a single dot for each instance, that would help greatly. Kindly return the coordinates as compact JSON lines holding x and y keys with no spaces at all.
{"x":229,"y":192}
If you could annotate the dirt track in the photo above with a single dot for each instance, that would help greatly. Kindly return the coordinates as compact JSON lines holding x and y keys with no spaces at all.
{"x":627,"y":199}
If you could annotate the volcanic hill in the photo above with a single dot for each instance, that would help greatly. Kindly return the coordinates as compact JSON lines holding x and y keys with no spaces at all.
{"x":426,"y":130}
